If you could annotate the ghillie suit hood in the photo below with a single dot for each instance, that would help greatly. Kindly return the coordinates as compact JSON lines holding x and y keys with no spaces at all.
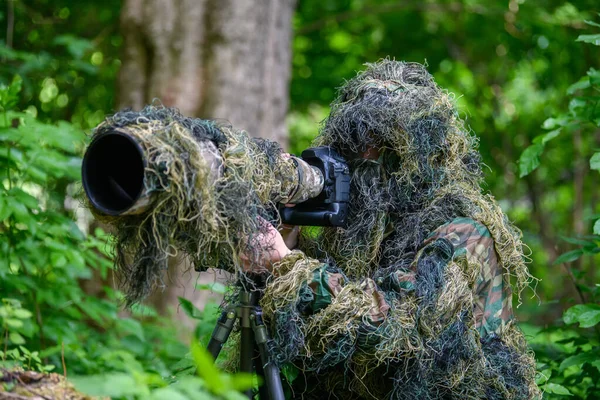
{"x":429,"y":171}
{"x":424,"y":344}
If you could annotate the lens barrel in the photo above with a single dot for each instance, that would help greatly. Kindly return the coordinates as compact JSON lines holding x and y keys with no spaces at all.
{"x":113,"y":174}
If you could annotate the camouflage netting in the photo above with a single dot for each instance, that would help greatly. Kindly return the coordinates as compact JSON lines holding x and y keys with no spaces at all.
{"x":428,"y":173}
{"x":210,"y":186}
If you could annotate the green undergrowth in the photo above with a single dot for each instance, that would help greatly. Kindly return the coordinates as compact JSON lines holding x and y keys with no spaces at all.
{"x":568,"y":351}
{"x":48,"y":322}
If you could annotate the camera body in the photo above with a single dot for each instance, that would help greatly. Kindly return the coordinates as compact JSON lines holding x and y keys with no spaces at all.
{"x":330,"y":207}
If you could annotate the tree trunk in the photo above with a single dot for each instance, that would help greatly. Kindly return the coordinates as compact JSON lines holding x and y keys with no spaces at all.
{"x":214,"y":59}
{"x":218,"y":59}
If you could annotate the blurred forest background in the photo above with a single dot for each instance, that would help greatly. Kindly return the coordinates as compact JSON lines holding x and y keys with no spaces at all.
{"x":525,"y":74}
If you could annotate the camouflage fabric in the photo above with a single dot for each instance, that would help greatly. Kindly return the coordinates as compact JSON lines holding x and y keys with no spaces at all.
{"x":473,"y":245}
{"x":299,"y":181}
{"x":325,"y":285}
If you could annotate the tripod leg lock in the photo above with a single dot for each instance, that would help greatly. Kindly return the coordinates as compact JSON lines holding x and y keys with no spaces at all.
{"x":221,"y":332}
{"x":261,"y":336}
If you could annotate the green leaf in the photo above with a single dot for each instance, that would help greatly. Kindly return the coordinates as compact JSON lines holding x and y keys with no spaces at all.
{"x":578,"y":107}
{"x":22,"y":313}
{"x":589,"y":319}
{"x":76,"y":46}
{"x":5,"y":211}
{"x":291,"y":372}
{"x":597,"y":227}
{"x":572,"y":314}
{"x":557,"y":389}
{"x":594,"y":75}
{"x":16,"y":338}
{"x":184,"y":364}
{"x":189,"y":309}
{"x":569,"y":256}
{"x":13,"y":323}
{"x":595,"y":161}
{"x":215,"y":287}
{"x":578,"y":359}
{"x":553,"y":123}
{"x":543,"y":376}
{"x":592,"y":23}
{"x":19,"y":210}
{"x":242,"y":381}
{"x":25,"y":198}
{"x":134,"y":327}
{"x":111,"y":385}
{"x":530,"y":159}
{"x":9,"y":95}
{"x":593,"y":39}
{"x":167,"y":393}
{"x":576,"y":240}
{"x":583,"y":83}
{"x":545,"y":138}
{"x":206,"y":369}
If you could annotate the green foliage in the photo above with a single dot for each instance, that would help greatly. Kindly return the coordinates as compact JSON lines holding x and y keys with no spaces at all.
{"x":12,"y":320}
{"x":45,"y":258}
{"x":66,"y":55}
{"x":568,"y":356}
{"x":303,"y":127}
{"x":137,"y":383}
{"x":206,"y":318}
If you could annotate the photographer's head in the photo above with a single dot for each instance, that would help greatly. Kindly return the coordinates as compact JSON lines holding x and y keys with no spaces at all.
{"x":397,"y":108}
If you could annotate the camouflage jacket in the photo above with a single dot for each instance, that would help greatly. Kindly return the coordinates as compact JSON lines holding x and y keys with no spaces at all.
{"x":473,"y":246}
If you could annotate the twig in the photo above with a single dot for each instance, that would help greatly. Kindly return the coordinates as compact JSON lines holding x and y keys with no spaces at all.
{"x":574,"y":281}
{"x":24,"y":385}
{"x":10,"y":23}
{"x":9,"y":395}
{"x":62,"y":356}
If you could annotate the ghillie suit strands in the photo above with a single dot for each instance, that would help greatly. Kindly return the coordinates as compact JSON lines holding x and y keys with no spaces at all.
{"x":412,"y":300}
{"x":213,"y":191}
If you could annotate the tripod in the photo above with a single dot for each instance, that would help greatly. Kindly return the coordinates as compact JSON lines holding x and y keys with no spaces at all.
{"x":254,"y":338}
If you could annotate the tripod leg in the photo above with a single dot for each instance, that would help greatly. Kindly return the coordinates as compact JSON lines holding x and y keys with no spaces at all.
{"x":246,"y":355}
{"x":263,"y":391}
{"x":270,"y":370}
{"x":221,"y":332}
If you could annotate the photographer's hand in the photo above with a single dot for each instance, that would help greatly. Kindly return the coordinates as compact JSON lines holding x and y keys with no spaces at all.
{"x":273,"y":247}
{"x":290,"y":233}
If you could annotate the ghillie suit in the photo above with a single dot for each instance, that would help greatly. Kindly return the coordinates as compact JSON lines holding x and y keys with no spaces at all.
{"x":412,"y":300}
{"x":212,"y":190}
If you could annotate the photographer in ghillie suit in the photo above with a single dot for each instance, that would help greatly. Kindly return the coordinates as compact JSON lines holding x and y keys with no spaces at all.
{"x":412,"y":300}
